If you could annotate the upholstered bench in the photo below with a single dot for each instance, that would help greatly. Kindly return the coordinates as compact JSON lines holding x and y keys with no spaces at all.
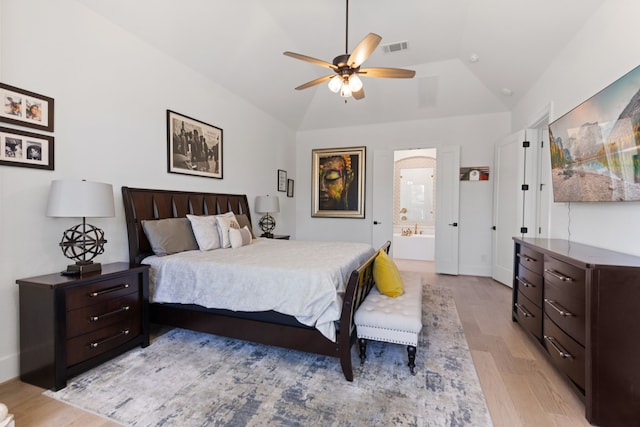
{"x":396,"y":320}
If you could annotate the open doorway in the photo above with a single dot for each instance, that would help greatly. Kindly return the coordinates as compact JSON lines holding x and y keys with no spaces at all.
{"x":414,"y":204}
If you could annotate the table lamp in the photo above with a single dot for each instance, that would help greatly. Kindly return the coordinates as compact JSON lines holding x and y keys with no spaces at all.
{"x":83,"y":242}
{"x":267,"y":205}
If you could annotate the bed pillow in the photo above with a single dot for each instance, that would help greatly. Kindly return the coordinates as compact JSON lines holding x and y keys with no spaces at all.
{"x":205,"y":229}
{"x":243,"y":220}
{"x":387,"y":276}
{"x":225,"y":222}
{"x":241,"y":237}
{"x":170,"y":235}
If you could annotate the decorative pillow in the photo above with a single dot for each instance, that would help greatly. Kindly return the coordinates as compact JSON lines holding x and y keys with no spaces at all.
{"x":225,"y":222}
{"x":387,"y":276}
{"x":243,"y":220}
{"x":241,"y":237}
{"x":170,"y":235}
{"x":205,"y":229}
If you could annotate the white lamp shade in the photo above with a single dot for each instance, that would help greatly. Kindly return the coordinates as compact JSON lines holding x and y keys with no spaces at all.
{"x":267,"y":204}
{"x":70,"y":198}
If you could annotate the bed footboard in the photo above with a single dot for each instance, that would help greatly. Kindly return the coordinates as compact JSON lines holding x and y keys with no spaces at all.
{"x":360,"y":283}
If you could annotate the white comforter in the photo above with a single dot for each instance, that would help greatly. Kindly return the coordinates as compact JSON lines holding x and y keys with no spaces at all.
{"x":298,"y":278}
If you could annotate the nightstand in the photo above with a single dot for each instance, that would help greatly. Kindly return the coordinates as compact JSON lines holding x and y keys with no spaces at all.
{"x":69,"y":324}
{"x":277,"y":236}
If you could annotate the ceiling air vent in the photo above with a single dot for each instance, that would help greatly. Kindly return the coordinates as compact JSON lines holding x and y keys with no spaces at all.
{"x":395,"y":47}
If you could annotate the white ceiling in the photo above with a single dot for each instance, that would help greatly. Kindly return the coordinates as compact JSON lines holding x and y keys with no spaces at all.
{"x":239,"y":45}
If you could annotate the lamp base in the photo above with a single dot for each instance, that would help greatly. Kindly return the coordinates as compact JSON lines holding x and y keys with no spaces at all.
{"x":80,"y":269}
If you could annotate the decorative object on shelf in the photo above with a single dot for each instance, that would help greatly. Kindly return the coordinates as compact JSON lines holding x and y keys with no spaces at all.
{"x":83,"y":242}
{"x":338,"y":182}
{"x":193,"y":147}
{"x":24,"y":108}
{"x":282,"y":180}
{"x":267,"y":205}
{"x":289,"y":188}
{"x":26,"y":149}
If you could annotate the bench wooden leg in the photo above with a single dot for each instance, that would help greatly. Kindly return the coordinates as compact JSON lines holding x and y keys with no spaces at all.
{"x":411,"y":350}
{"x":363,"y":350}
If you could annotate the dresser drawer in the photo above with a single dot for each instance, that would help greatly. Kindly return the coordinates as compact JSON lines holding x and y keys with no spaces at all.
{"x":104,"y":313}
{"x":89,"y":345}
{"x":529,"y":315}
{"x":530,"y":284}
{"x":82,"y":296}
{"x":567,"y":354}
{"x":531,"y":259}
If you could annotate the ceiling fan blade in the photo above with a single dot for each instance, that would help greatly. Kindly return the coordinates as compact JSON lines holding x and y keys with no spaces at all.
{"x":359,"y":94}
{"x":363,"y":50}
{"x":316,"y":61}
{"x":314,"y":82}
{"x":397,"y":73}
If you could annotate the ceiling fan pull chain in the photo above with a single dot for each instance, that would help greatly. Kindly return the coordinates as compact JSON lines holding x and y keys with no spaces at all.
{"x":346,"y":33}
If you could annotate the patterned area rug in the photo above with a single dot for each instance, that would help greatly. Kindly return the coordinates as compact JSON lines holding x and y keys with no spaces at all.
{"x":186,"y":378}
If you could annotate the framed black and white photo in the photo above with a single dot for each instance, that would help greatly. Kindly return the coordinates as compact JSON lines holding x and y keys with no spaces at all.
{"x":289,"y":188}
{"x":193,"y":147}
{"x":26,"y":149}
{"x":24,"y":108}
{"x":282,"y":180}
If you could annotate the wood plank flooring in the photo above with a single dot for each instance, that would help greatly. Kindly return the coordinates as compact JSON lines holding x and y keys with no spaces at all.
{"x":519,"y":384}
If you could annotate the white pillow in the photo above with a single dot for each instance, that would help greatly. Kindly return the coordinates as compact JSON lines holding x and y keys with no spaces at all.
{"x":240,"y":237}
{"x":225,"y":222}
{"x":205,"y":228}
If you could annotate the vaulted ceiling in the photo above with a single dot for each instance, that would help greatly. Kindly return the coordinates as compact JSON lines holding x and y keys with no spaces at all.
{"x":239,"y":45}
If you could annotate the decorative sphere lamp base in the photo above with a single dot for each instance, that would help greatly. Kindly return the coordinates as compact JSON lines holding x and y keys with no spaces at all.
{"x":78,"y":269}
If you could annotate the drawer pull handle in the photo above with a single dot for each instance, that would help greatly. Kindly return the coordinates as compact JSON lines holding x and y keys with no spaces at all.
{"x":109,"y":290}
{"x":558,"y":275}
{"x":557,"y":307}
{"x":561,"y":351}
{"x":526,"y":258}
{"x":523,"y":310}
{"x":111,"y":313}
{"x":95,"y":344}
{"x":525,"y":283}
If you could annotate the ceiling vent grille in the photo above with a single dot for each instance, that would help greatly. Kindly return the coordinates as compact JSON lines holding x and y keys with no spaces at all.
{"x":395,"y":47}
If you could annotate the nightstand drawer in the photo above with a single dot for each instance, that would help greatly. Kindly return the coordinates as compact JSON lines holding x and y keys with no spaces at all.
{"x":89,"y":345}
{"x":87,"y":319}
{"x":82,"y":296}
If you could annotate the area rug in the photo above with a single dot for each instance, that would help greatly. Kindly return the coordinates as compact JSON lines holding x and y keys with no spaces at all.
{"x":187,"y":378}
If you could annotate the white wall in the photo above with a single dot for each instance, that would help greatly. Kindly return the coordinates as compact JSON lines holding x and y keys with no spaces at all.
{"x":111,"y":94}
{"x":476,"y":136}
{"x":604,"y":50}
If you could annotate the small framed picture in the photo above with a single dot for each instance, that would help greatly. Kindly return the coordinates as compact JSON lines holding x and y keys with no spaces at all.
{"x":282,"y":180}
{"x":289,"y":188}
{"x":24,"y":108}
{"x":25,"y":149}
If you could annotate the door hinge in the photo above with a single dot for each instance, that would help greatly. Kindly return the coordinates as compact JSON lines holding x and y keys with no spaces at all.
{"x":525,"y":187}
{"x":525,"y":144}
{"x":524,"y":230}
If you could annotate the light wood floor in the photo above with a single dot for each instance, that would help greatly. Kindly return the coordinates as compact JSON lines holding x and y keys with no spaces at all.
{"x":520,"y":386}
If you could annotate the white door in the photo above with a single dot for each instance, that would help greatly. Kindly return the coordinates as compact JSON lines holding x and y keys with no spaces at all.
{"x":514,"y":196}
{"x":382,"y":204}
{"x":447,"y":209}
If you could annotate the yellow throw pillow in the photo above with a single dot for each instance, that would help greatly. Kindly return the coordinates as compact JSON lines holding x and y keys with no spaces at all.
{"x":387,"y":276}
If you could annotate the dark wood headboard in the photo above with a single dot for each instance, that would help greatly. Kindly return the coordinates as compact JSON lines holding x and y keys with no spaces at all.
{"x":147,"y":204}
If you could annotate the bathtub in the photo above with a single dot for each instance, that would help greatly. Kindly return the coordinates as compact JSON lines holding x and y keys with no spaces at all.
{"x":417,"y":246}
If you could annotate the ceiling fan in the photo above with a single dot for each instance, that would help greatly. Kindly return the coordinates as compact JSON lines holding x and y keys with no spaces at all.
{"x":347,"y":69}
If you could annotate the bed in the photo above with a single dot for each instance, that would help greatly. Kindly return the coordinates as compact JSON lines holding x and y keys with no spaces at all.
{"x":269,"y":327}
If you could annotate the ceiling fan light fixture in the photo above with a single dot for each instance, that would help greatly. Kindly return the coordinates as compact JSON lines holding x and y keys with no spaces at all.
{"x":355,"y":84}
{"x":335,"y":84}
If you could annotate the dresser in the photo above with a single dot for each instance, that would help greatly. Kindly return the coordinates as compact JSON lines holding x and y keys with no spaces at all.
{"x":69,"y":324}
{"x":581,"y":304}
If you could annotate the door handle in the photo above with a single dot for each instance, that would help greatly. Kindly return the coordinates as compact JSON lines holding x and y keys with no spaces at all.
{"x":453,"y":224}
{"x":376,"y":223}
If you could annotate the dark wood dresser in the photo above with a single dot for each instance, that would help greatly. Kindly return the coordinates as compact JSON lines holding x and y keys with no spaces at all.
{"x":69,"y":324}
{"x":581,"y":304}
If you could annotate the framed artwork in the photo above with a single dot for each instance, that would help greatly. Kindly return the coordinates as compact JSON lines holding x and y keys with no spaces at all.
{"x":282,"y":180}
{"x":289,"y":188}
{"x":26,"y":149}
{"x":474,"y":173}
{"x":193,"y":147}
{"x":24,"y":108}
{"x":337,"y":182}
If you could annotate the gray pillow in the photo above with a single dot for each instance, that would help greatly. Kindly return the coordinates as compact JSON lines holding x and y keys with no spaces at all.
{"x":169,"y":236}
{"x":243,"y":220}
